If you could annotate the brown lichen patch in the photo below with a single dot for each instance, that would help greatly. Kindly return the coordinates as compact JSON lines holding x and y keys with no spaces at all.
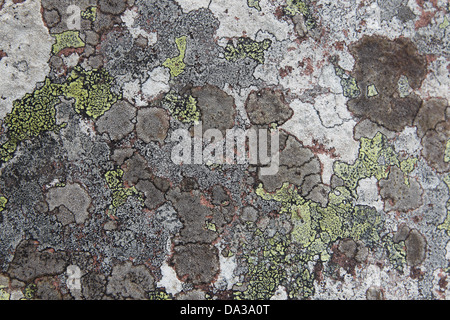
{"x":196,"y":263}
{"x":416,"y":273}
{"x":342,"y":260}
{"x":29,"y":263}
{"x":267,"y":106}
{"x":152,"y":124}
{"x":217,"y":108}
{"x":285,"y":71}
{"x":416,"y":245}
{"x":382,"y":62}
{"x":430,"y":114}
{"x":434,"y":145}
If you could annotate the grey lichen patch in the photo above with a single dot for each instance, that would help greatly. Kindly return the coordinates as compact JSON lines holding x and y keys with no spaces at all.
{"x":73,"y":197}
{"x":297,"y":164}
{"x":93,"y":207}
{"x":398,"y":195}
{"x":117,"y":121}
{"x":136,"y":168}
{"x":192,"y":213}
{"x":130,"y":281}
{"x":153,"y":196}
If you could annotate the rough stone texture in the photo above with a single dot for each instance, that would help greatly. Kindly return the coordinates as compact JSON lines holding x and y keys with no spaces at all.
{"x":92,"y":205}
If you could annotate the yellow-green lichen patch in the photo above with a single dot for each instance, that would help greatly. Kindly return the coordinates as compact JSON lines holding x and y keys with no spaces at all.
{"x":372,"y":91}
{"x":90,"y":13}
{"x":184,"y":109}
{"x":300,"y":7}
{"x":32,"y":115}
{"x":348,"y":83}
{"x":374,"y":160}
{"x":120,"y":192}
{"x":159,"y":294}
{"x":3,"y":202}
{"x":91,"y":91}
{"x":396,"y":252}
{"x":176,"y":64}
{"x":444,"y":23}
{"x":447,"y":152}
{"x":315,"y":226}
{"x":210,"y":226}
{"x":4,"y":295}
{"x":265,"y":267}
{"x":30,"y":291}
{"x":254,"y":4}
{"x":67,"y":39}
{"x":407,"y":166}
{"x":247,"y":47}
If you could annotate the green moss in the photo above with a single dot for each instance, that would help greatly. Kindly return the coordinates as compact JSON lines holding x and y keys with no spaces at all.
{"x":91,"y":91}
{"x":184,"y":109}
{"x":254,"y":4}
{"x":67,"y":39}
{"x":176,"y":64}
{"x":90,"y":13}
{"x":247,"y":47}
{"x":120,"y":192}
{"x":300,"y":7}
